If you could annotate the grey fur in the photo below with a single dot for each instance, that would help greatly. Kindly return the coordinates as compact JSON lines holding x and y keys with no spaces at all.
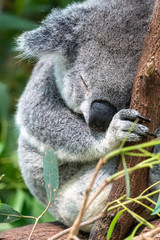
{"x":87,"y":52}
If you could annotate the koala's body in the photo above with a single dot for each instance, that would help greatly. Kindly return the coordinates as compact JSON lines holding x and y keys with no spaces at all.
{"x":77,"y":98}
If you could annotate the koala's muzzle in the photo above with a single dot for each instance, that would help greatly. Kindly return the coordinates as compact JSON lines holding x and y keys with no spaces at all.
{"x":101,"y":114}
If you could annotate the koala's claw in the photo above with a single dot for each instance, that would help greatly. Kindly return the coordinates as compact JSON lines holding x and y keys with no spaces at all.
{"x":132,"y":115}
{"x":123,"y":121}
{"x":152,"y":134}
{"x":141,"y":118}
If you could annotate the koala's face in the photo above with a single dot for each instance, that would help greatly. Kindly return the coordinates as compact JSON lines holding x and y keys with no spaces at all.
{"x":95,"y":76}
{"x":95,"y":51}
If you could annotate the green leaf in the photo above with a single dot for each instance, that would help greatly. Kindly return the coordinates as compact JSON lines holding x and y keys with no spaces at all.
{"x":1,"y":176}
{"x":4,"y":101}
{"x":19,"y":6}
{"x":3,"y":135}
{"x":130,"y":237}
{"x":38,"y":9}
{"x":1,"y":147}
{"x":140,"y":219}
{"x":17,"y":200}
{"x":50,"y":173}
{"x":64,"y":3}
{"x":11,"y":22}
{"x":8,"y":214}
{"x":157,"y":208}
{"x":113,"y":223}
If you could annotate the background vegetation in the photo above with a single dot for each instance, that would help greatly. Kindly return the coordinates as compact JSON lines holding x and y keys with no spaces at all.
{"x":16,"y":16}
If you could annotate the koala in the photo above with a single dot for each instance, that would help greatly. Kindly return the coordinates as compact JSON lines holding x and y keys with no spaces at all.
{"x":77,"y":98}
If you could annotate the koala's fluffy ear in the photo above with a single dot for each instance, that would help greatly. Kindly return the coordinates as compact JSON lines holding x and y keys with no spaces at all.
{"x":55,"y":34}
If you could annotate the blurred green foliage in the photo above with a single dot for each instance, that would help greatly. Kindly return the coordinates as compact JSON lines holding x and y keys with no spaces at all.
{"x":16,"y":16}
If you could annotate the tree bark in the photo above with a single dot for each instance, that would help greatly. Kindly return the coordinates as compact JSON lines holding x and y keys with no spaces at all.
{"x":155,"y":223}
{"x":42,"y":232}
{"x":146,"y":100}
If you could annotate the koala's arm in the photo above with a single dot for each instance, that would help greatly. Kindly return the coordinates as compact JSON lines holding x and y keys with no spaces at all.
{"x":44,"y":119}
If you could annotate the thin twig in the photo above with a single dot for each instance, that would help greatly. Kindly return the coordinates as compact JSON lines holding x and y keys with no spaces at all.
{"x":77,"y":222}
{"x":37,"y":219}
{"x":139,"y":198}
{"x":116,"y":176}
{"x":64,"y":232}
{"x":35,"y":224}
{"x":60,"y":234}
{"x":148,"y":235}
{"x":75,"y":238}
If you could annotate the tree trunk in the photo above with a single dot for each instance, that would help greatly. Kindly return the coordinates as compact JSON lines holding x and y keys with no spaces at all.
{"x":146,"y":100}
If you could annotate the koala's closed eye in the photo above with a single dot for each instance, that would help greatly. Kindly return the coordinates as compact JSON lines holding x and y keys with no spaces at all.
{"x":85,"y":85}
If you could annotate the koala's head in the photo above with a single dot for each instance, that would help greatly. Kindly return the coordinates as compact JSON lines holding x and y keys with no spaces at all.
{"x":95,"y":51}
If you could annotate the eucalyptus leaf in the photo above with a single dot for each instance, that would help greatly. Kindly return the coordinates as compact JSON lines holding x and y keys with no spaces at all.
{"x":12,"y":22}
{"x":157,"y":208}
{"x":20,"y":6}
{"x":113,"y":223}
{"x":50,"y":173}
{"x":8,"y":214}
{"x":1,"y":176}
{"x":64,"y":3}
{"x":140,"y":219}
{"x":130,"y":237}
{"x":4,"y":101}
{"x":1,"y":147}
{"x":38,"y":9}
{"x":18,"y":200}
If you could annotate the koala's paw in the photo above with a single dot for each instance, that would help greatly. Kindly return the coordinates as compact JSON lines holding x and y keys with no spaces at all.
{"x":121,"y":124}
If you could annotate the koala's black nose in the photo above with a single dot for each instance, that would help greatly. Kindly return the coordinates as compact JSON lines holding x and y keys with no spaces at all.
{"x":101,"y":114}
